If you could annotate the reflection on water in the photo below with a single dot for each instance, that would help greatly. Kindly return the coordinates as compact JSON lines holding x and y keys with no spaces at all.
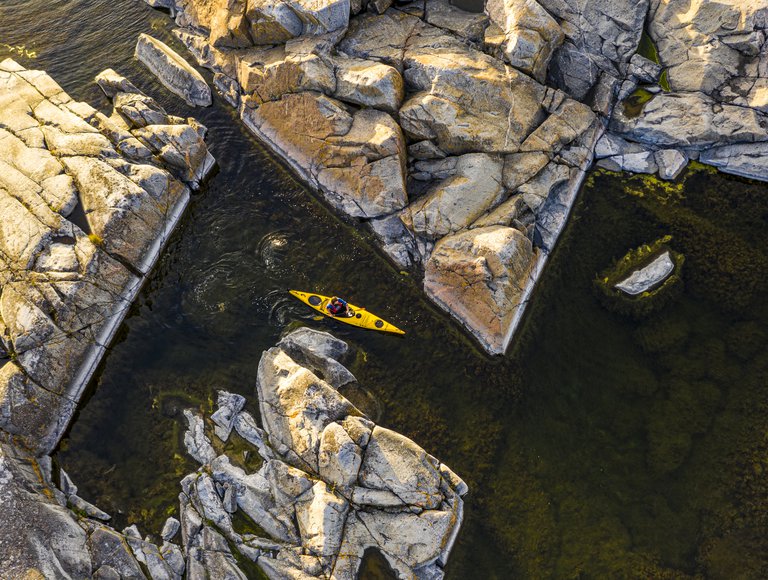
{"x":599,"y":447}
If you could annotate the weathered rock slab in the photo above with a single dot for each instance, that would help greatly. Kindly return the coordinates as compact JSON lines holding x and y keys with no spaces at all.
{"x":173,"y":71}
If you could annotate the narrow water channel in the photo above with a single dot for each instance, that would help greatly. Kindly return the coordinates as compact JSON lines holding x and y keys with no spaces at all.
{"x":598,"y":447}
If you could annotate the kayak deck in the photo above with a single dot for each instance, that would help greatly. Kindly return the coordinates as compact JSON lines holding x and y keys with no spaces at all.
{"x":360,"y":318}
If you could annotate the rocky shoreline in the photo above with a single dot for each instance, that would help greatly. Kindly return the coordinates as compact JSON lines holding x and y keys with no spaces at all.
{"x":87,"y":202}
{"x":330,"y":486}
{"x":461,"y":139}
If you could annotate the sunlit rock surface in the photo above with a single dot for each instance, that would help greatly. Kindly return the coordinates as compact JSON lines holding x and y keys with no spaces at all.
{"x":332,"y":483}
{"x":86,"y":203}
{"x":173,"y":71}
{"x":410,"y":118}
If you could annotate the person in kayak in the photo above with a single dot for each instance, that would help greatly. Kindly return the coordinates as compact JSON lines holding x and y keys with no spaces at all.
{"x":338,"y":307}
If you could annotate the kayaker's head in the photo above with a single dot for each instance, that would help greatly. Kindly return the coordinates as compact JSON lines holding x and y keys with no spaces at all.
{"x":335,"y":300}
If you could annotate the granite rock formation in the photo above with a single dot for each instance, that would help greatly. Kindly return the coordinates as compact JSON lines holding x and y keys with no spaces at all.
{"x":331,"y":485}
{"x":86,"y":203}
{"x":402,"y":114}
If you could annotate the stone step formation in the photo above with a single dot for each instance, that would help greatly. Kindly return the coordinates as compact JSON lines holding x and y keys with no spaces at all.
{"x":461,"y":139}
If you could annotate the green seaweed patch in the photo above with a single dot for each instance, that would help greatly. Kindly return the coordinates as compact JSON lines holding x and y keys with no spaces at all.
{"x":664,"y":80}
{"x":635,"y":103}
{"x":647,"y":48}
{"x":650,"y":301}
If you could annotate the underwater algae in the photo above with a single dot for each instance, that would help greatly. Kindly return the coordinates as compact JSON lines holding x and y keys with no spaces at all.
{"x":644,"y":455}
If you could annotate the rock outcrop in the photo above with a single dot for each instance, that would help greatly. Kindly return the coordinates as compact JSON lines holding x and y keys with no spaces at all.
{"x":403,"y":116}
{"x":86,"y":202}
{"x":332,"y":483}
{"x":412,"y":120}
{"x":173,"y":71}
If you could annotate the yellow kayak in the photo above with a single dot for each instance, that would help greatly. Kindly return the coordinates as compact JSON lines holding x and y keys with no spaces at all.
{"x":361,"y":316}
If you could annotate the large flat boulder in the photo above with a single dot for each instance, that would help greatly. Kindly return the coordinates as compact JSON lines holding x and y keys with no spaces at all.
{"x":480,"y":277}
{"x":356,"y":159}
{"x":691,"y":120}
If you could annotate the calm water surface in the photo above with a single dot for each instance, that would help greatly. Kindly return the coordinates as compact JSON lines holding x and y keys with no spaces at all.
{"x":598,"y":447}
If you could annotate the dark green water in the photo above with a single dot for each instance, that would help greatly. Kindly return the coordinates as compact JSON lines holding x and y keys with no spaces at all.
{"x":599,"y":447}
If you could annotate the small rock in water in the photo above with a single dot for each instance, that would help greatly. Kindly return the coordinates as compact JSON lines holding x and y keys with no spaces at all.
{"x":170,"y":529}
{"x":89,"y":509}
{"x":646,"y":278}
{"x":173,"y":71}
{"x":230,"y":405}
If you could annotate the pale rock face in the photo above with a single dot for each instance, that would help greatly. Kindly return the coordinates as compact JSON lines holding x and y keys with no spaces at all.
{"x":475,"y":185}
{"x":443,"y":14}
{"x":643,"y":162}
{"x":272,"y":22}
{"x":267,"y":75}
{"x":649,"y":276}
{"x":466,"y":100}
{"x":745,"y":159}
{"x":297,"y":406}
{"x":537,"y":190}
{"x":380,"y":38}
{"x":368,"y":83}
{"x":521,"y":167}
{"x":357,"y":160}
{"x":395,"y":463}
{"x":321,"y":520}
{"x":600,"y":38}
{"x":531,"y":35}
{"x":479,"y":276}
{"x":671,"y":163}
{"x":229,"y":26}
{"x":690,"y":120}
{"x":173,"y":71}
{"x":276,"y":22}
{"x":339,"y":457}
{"x":705,"y":44}
{"x":569,"y":120}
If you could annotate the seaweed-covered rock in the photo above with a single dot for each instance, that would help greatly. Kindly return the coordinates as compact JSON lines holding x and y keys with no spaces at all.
{"x":645,"y":280}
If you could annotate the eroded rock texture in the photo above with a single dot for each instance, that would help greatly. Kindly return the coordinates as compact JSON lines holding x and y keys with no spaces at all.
{"x":332,"y":483}
{"x":403,"y":115}
{"x":86,"y":202}
{"x":423,"y":121}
